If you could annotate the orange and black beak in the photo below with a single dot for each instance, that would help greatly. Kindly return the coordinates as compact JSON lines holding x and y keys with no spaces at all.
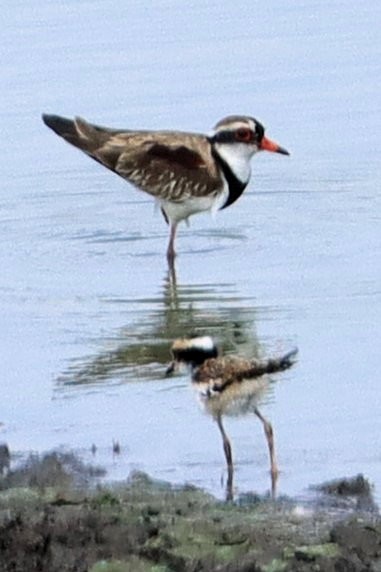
{"x":268,"y":145}
{"x":171,"y":368}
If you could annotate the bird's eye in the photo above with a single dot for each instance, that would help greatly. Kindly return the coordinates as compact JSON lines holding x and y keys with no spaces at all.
{"x":244,"y":134}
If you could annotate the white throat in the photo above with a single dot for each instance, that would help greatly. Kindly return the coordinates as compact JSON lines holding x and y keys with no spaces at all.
{"x":237,"y":156}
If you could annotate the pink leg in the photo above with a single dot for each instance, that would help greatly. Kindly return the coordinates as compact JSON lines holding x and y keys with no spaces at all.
{"x":270,"y":442}
{"x":171,"y":246}
{"x":229,"y":458}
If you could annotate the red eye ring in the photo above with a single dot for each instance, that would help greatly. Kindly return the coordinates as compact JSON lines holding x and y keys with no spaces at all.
{"x":244,"y":134}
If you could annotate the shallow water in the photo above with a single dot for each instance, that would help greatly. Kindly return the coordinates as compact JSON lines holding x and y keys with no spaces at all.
{"x":87,"y":307}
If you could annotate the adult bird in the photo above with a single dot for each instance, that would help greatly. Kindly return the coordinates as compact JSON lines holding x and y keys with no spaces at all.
{"x":187,"y":173}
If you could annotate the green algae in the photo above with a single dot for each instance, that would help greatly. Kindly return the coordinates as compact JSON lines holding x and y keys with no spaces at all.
{"x":144,"y":526}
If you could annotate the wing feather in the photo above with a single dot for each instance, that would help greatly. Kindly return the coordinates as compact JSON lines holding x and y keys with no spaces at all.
{"x":171,"y":165}
{"x":221,"y":372}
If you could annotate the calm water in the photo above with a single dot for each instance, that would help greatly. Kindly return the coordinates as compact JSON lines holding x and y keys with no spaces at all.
{"x":87,"y":309}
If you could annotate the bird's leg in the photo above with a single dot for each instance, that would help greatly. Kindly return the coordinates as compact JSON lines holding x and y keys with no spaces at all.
{"x":226,"y":443}
{"x":229,"y":458}
{"x":270,"y":442}
{"x":171,"y":254}
{"x":229,"y":486}
{"x":172,"y":280}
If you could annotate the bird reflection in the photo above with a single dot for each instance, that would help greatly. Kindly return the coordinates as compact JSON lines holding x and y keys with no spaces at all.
{"x":138,"y":351}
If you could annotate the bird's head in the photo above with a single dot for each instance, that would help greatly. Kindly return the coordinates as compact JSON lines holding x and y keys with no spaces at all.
{"x":191,"y":352}
{"x":237,"y":138}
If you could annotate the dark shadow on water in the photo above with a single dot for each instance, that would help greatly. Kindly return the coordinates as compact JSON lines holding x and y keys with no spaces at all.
{"x":140,"y":351}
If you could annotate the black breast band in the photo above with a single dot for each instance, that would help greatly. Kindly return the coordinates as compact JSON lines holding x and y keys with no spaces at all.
{"x":236,"y":187}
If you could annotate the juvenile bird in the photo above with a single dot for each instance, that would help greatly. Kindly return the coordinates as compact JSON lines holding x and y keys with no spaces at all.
{"x":230,"y":385}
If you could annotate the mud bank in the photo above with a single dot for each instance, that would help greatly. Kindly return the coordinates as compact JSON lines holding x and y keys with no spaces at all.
{"x":53,"y":518}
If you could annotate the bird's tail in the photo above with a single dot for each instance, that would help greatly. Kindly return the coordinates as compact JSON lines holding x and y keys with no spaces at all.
{"x":284,"y":362}
{"x":60,"y":125}
{"x":78,"y":132}
{"x":273,"y":365}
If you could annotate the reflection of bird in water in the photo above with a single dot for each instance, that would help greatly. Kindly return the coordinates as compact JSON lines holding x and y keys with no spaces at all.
{"x":230,"y":385}
{"x":187,"y":173}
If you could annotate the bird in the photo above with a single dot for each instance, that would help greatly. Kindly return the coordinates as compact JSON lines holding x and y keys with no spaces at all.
{"x":187,"y":173}
{"x":229,"y":385}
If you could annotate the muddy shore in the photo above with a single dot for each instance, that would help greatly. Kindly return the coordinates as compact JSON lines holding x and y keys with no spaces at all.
{"x":56,"y":517}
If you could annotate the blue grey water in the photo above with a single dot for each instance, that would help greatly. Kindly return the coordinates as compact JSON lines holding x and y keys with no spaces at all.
{"x":87,"y":310}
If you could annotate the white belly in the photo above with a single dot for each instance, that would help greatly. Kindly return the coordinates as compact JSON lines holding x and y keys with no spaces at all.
{"x":178,"y":211}
{"x":238,"y":399}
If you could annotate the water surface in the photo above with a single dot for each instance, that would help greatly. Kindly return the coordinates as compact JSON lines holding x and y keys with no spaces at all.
{"x":87,"y":308}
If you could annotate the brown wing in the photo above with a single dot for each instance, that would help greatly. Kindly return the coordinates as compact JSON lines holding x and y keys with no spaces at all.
{"x":221,"y":372}
{"x":172,"y":165}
